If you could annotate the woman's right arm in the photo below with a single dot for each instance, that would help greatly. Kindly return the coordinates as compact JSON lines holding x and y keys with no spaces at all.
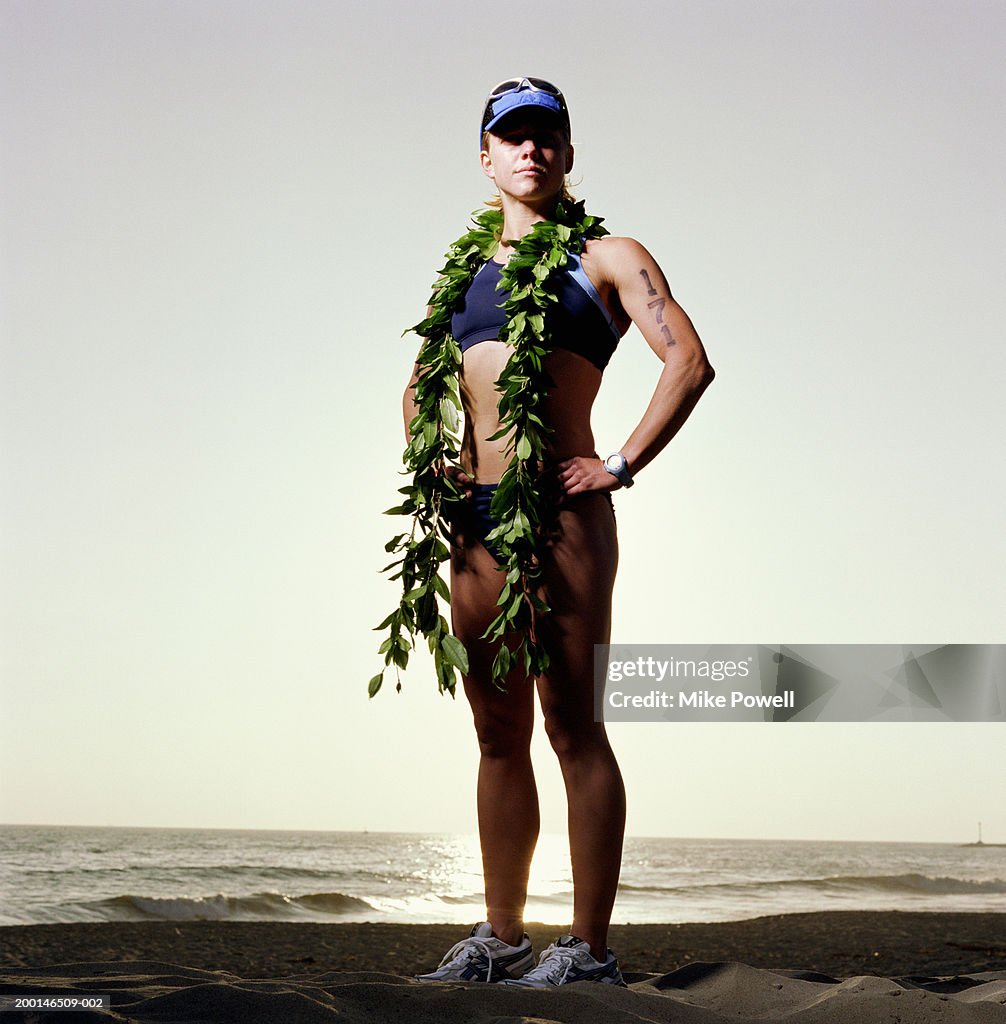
{"x":409,"y":401}
{"x":409,"y":409}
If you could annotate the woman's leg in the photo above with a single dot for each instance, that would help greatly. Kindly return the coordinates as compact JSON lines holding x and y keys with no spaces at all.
{"x":507,"y":797}
{"x":579,"y":573}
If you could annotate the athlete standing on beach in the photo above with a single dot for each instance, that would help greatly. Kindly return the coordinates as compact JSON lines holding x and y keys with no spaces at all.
{"x":526,"y":152}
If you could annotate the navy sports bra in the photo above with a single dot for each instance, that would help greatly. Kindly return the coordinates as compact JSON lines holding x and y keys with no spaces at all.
{"x":579,"y":322}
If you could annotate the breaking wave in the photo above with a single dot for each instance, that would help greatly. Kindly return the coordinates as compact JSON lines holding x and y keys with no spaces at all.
{"x":905,"y":883}
{"x":258,"y":907}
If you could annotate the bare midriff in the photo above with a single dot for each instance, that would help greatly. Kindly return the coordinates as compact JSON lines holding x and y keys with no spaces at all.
{"x":566,"y":408}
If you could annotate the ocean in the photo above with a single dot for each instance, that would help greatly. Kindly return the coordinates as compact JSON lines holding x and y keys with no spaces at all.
{"x":66,"y":874}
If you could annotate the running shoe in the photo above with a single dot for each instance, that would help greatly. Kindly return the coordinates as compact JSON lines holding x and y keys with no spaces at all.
{"x":569,"y":960}
{"x":483,"y":957}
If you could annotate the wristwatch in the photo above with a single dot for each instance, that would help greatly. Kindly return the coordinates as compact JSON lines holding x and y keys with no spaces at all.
{"x":617,"y":466}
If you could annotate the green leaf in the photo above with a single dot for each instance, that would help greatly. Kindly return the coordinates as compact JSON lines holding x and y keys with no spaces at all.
{"x":449,"y":414}
{"x":501,"y":433}
{"x":375,"y":684}
{"x":441,"y":588}
{"x":501,"y":663}
{"x":454,"y":652}
{"x":496,"y":628}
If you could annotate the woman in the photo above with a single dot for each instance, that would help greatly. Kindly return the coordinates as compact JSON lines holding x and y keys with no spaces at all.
{"x":526,"y":152}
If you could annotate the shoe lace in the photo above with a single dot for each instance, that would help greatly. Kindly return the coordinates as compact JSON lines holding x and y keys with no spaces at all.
{"x":467,"y":949}
{"x":554,"y":964}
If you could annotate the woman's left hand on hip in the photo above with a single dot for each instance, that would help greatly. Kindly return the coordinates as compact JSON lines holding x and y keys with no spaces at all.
{"x":579,"y":475}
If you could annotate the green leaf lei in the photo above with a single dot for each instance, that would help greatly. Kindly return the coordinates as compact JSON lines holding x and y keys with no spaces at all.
{"x":518,"y":504}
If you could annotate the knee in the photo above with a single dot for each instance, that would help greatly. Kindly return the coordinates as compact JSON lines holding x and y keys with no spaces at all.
{"x":572,"y":737}
{"x":502,"y":735}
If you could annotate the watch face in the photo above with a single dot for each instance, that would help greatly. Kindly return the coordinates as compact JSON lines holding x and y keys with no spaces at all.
{"x":614,"y":462}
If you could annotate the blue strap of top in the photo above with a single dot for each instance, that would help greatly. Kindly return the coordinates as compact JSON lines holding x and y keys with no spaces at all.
{"x":580,"y":276}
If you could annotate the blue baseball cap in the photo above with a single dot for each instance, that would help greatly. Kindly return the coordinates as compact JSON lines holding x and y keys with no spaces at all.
{"x":517,"y":93}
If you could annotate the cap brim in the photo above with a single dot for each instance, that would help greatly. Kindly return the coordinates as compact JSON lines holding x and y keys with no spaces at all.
{"x":525,"y":101}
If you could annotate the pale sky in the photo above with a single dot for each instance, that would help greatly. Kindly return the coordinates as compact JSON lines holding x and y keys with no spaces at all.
{"x":217,"y":219}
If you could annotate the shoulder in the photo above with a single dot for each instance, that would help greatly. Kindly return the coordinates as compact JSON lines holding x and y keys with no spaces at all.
{"x":614,"y":247}
{"x":615,"y":256}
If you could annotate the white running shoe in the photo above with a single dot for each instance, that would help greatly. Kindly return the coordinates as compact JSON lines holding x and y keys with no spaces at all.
{"x":483,"y":957}
{"x":569,"y":960}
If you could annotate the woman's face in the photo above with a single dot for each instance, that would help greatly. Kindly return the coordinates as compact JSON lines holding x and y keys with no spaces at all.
{"x":529,"y":158}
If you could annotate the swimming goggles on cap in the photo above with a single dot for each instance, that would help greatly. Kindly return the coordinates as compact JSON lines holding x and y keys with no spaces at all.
{"x":514,"y":85}
{"x":513,"y":93}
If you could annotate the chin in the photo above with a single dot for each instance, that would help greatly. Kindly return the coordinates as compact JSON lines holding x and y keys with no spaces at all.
{"x":534,"y":188}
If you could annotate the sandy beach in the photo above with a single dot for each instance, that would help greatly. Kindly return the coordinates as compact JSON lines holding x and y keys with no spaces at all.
{"x":822,"y":967}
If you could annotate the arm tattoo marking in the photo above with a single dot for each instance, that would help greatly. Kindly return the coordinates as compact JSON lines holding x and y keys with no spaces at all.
{"x":658,"y":304}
